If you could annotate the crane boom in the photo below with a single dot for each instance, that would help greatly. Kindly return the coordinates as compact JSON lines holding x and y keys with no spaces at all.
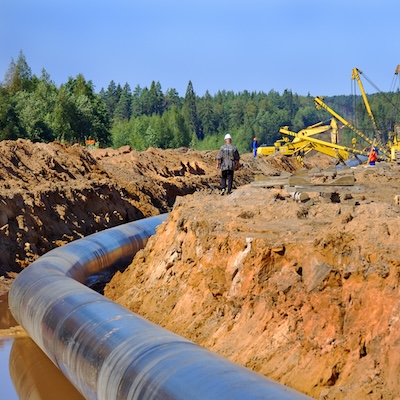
{"x":318,"y":128}
{"x":331,"y":149}
{"x":356,"y":75}
{"x":319,"y":103}
{"x":290,"y":148}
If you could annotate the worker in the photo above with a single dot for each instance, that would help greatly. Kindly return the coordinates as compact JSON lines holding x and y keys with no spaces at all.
{"x":228,"y":159}
{"x":372,"y":157}
{"x":255,"y":146}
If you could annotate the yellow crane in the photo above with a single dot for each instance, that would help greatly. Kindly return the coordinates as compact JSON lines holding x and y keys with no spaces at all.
{"x":334,"y":150}
{"x":394,"y":137}
{"x":298,"y":144}
{"x":392,"y":147}
{"x":319,"y":103}
{"x":355,"y":75}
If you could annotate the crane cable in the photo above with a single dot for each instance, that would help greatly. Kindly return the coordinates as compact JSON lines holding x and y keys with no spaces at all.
{"x":356,"y":118}
{"x":394,"y":81}
{"x":388,"y":99}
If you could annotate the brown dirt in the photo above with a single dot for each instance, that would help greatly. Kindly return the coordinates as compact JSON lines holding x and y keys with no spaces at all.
{"x":51,"y":194}
{"x":15,"y":331}
{"x":305,"y":293}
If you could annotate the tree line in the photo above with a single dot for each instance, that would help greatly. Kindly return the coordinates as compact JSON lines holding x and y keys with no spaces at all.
{"x":33,"y":107}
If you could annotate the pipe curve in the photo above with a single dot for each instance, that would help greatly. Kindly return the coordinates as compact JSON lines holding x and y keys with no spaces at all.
{"x":105,"y":350}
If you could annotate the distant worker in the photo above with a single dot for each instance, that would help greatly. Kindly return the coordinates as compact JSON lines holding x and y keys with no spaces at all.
{"x":372,"y":157}
{"x":255,"y":145}
{"x":227,"y":161}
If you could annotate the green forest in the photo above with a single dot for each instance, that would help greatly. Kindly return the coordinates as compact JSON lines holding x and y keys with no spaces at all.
{"x":33,"y":107}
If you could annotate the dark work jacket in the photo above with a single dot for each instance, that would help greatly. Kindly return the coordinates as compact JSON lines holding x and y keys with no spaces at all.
{"x":229,"y":156}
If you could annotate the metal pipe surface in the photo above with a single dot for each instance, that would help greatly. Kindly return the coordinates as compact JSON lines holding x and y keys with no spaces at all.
{"x":105,"y":350}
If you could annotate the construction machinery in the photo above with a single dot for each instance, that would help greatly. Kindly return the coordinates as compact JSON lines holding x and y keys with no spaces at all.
{"x":304,"y":141}
{"x":319,"y":103}
{"x":298,"y":145}
{"x":341,"y":153}
{"x":394,"y":144}
{"x":355,"y":75}
{"x":392,"y":147}
{"x":394,"y":137}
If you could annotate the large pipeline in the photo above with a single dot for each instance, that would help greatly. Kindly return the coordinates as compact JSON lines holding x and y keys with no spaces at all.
{"x":108,"y":352}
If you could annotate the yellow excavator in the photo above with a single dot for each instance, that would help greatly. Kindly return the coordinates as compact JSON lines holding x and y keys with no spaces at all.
{"x":299,"y":145}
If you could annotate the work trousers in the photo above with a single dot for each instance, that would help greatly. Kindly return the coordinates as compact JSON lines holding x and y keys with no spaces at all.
{"x":227,"y":178}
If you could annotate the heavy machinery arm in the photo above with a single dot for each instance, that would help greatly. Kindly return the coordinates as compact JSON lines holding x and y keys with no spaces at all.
{"x":319,"y":103}
{"x":334,"y":150}
{"x":318,"y":128}
{"x":395,"y":146}
{"x":297,"y":145}
{"x":355,"y":75}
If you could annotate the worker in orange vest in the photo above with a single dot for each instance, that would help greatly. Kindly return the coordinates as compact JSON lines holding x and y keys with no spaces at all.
{"x":372,"y":157}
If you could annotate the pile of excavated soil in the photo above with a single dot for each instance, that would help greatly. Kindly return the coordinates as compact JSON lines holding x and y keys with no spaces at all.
{"x":305,"y":293}
{"x":51,"y":194}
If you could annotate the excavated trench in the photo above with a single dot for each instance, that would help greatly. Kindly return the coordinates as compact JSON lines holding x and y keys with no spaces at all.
{"x":311,"y":289}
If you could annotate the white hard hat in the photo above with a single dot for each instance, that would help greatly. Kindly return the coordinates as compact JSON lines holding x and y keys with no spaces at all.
{"x":227,"y":136}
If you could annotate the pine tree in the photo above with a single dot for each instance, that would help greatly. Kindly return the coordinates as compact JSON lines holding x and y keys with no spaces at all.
{"x":136,"y":104}
{"x":18,"y":76}
{"x":10,"y":126}
{"x":111,"y":98}
{"x":206,"y":115}
{"x":156,"y":99}
{"x":123,"y":108}
{"x":190,"y":111}
{"x":172,"y":99}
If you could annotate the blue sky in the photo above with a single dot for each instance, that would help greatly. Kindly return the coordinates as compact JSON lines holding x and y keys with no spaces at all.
{"x":307,"y":46}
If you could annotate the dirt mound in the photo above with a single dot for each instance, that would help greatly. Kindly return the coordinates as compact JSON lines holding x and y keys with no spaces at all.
{"x":51,"y":194}
{"x":305,"y":293}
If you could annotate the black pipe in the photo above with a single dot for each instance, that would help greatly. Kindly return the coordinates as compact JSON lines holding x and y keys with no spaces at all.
{"x":105,"y":350}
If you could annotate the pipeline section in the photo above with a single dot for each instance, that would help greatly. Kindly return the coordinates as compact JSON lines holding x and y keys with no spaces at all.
{"x":106,"y":351}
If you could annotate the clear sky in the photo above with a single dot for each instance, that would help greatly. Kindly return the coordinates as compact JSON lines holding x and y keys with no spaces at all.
{"x":307,"y":46}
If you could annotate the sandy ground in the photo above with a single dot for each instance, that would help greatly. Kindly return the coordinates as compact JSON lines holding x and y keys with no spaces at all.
{"x":306,"y":293}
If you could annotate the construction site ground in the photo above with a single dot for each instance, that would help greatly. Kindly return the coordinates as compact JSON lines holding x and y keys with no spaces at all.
{"x":305,"y":292}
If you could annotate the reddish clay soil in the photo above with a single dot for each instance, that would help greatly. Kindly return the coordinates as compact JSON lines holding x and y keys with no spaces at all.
{"x":306,"y":293}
